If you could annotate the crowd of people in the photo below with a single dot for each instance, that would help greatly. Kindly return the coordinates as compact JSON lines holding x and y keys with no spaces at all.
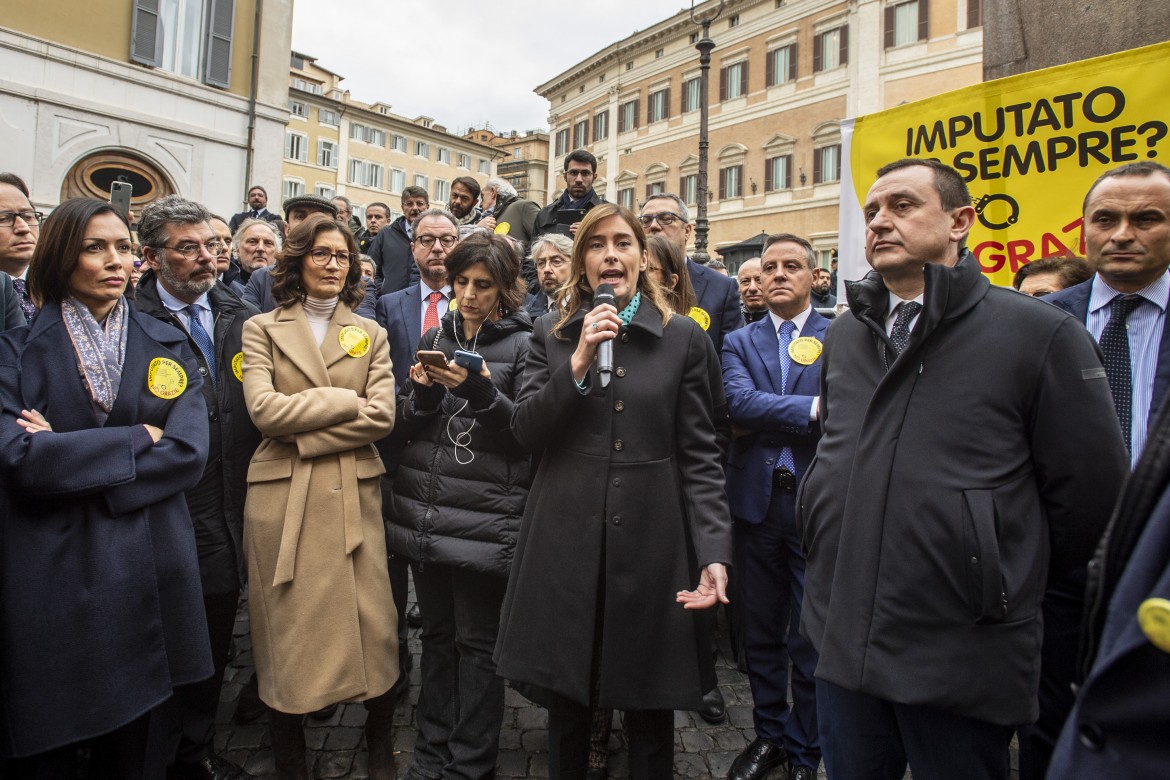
{"x":935,"y":510}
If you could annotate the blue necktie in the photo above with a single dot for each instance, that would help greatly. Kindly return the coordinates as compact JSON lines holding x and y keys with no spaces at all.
{"x":202,"y":340}
{"x":26,"y":304}
{"x":787,"y":328}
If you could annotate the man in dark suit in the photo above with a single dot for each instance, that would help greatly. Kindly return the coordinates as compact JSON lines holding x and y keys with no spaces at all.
{"x":20,"y":226}
{"x":772,"y":375}
{"x":10,"y":314}
{"x":552,"y":257}
{"x":393,"y":266}
{"x":718,"y":295}
{"x":257,"y":201}
{"x":577,"y":197}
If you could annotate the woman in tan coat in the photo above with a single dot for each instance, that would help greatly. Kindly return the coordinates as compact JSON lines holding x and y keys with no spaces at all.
{"x":318,"y":385}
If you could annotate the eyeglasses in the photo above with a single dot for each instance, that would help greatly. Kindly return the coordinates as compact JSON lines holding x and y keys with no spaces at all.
{"x":429,"y":241}
{"x":556,"y":261}
{"x":31,"y":218}
{"x":321,"y":257}
{"x":190,"y":251}
{"x":665,"y":218}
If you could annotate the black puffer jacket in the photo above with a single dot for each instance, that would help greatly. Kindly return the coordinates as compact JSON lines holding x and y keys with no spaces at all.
{"x":448,"y":510}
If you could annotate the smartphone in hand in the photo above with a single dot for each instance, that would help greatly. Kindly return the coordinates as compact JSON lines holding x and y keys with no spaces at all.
{"x":472,"y":361}
{"x":430,"y":357}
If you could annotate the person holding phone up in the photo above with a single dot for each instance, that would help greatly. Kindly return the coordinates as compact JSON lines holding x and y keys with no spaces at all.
{"x":458,"y":496}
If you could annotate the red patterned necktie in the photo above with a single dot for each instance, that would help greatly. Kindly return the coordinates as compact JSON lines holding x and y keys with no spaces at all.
{"x":431,"y":318}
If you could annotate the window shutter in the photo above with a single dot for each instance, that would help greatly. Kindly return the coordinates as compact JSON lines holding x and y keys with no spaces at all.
{"x":787,"y":171}
{"x":768,"y":165}
{"x":650,"y":107}
{"x":722,"y":184}
{"x":648,"y":186}
{"x":221,"y":17}
{"x":637,"y":105}
{"x":817,"y":166}
{"x":890,"y":25}
{"x":145,"y":31}
{"x":682,"y":99}
{"x":621,"y":119}
{"x":923,"y":20}
{"x":743,"y":79}
{"x":722,"y":84}
{"x":739,"y":181}
{"x":792,"y":62}
{"x":682,"y":187}
{"x":770,"y":72}
{"x":974,"y":13}
{"x":666,"y":105}
{"x":845,"y":44}
{"x":818,"y":44}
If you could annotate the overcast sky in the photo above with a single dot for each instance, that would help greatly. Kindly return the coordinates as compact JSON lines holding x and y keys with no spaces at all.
{"x":433,"y":57}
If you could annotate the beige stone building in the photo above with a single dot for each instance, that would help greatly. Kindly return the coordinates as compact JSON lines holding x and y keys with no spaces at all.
{"x":526,"y":166}
{"x":783,"y":76}
{"x":181,"y":96}
{"x":335,"y":145}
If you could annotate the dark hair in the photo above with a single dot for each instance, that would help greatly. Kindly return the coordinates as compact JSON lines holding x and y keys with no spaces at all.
{"x":287,"y":286}
{"x":471,"y":184}
{"x":415,"y":192}
{"x":952,"y":190}
{"x":498,"y":258}
{"x":667,"y":253}
{"x":258,"y":187}
{"x":1070,"y":270}
{"x":581,"y":156}
{"x":791,"y":238}
{"x":59,"y":247}
{"x":380,"y":205}
{"x":1144,"y":168}
{"x":15,"y":181}
{"x":217,"y":216}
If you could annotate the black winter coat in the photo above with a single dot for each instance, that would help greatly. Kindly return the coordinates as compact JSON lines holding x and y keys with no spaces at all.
{"x":464,"y":514}
{"x":393,"y":262}
{"x":546,"y":220}
{"x":217,"y":502}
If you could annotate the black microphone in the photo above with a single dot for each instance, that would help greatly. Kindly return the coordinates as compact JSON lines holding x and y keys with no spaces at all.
{"x":604,"y":294}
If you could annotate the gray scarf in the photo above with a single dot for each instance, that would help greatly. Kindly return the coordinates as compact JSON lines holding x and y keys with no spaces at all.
{"x":100,"y":349}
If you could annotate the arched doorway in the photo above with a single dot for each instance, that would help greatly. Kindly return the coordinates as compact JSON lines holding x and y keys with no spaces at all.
{"x":92,"y":176}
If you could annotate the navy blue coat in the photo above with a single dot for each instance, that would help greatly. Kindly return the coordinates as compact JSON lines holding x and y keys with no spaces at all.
{"x":101,"y":613}
{"x":777,"y":417}
{"x":11,"y":315}
{"x":718,"y":295}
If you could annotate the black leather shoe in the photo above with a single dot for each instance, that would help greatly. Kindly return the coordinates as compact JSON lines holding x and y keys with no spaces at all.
{"x":714,"y":711}
{"x":414,"y":617}
{"x":213,"y":767}
{"x":756,"y":761}
{"x":797,"y":772}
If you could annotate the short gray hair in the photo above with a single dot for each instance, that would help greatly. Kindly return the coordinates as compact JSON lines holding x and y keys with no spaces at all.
{"x":562,"y":243}
{"x":171,"y":210}
{"x":502,"y":186}
{"x":435,"y":212}
{"x":682,"y":206}
{"x":247,"y":223}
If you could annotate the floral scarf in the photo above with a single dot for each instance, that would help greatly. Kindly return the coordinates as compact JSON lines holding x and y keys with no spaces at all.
{"x":101,"y":350}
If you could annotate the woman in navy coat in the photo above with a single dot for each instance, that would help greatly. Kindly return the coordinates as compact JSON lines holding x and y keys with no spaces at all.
{"x":101,"y":430}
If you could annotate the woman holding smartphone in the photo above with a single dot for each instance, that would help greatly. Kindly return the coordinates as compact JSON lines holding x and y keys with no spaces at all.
{"x":458,"y":495}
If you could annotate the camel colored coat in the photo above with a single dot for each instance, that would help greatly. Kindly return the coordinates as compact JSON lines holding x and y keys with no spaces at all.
{"x":324,"y":627}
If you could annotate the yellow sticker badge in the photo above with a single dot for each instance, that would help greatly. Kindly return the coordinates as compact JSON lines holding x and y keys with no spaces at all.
{"x":354,"y":340}
{"x":166,"y":378}
{"x":700,"y":316}
{"x":503,"y":228}
{"x":238,"y":366}
{"x":1154,"y":618}
{"x":805,"y":350}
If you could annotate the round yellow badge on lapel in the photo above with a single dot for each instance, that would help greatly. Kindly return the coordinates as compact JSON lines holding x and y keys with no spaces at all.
{"x":1154,"y":618}
{"x":166,"y":378}
{"x":700,"y":316}
{"x":238,"y":366}
{"x":354,"y":340}
{"x":503,"y":228}
{"x":805,"y":350}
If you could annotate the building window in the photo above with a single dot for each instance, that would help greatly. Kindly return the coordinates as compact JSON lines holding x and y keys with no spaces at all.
{"x":906,"y":23}
{"x":364,"y":173}
{"x":463,"y":160}
{"x":731,"y":182}
{"x":518,"y":153}
{"x":601,"y":126}
{"x":296,"y":146}
{"x":484,"y":167}
{"x":655,"y":188}
{"x":628,"y":116}
{"x":325,"y":191}
{"x":688,"y":188}
{"x":444,"y":156}
{"x":397,"y":180}
{"x":626,"y":197}
{"x":398,"y":143}
{"x":974,"y":13}
{"x":778,"y":173}
{"x":831,"y":49}
{"x":192,"y":38}
{"x":629,"y":66}
{"x":658,"y":105}
{"x":327,"y":117}
{"x":422,"y":149}
{"x":781,"y":65}
{"x":307,"y":86}
{"x":369,"y":135}
{"x":326,"y":153}
{"x":733,"y":81}
{"x":733,"y":21}
{"x":658,"y":53}
{"x":297,"y":108}
{"x":827,"y":164}
{"x":442,"y":190}
{"x":421,"y":181}
{"x":581,"y":134}
{"x":694,"y":37}
{"x":690,"y":95}
{"x":562,"y":144}
{"x":292,"y":188}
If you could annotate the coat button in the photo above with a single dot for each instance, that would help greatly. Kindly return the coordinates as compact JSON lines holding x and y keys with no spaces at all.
{"x":202,"y":371}
{"x":617,"y":520}
{"x":1092,"y":736}
{"x":619,"y":406}
{"x":768,"y":461}
{"x":618,"y":445}
{"x":625,"y":338}
{"x":974,"y":560}
{"x":213,"y":416}
{"x":617,"y":481}
{"x":620,"y":371}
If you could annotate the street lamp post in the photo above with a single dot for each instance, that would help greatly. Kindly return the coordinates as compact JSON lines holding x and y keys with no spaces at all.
{"x":704,"y":45}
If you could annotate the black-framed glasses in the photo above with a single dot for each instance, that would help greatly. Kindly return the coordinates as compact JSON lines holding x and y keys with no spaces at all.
{"x":664,"y":218}
{"x":321,"y":257}
{"x":190,"y":250}
{"x":31,"y":218}
{"x":445,"y":241}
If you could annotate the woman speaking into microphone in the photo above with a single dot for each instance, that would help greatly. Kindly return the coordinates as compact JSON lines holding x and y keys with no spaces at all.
{"x":627,"y":511}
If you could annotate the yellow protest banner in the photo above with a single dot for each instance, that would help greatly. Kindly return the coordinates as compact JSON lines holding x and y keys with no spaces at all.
{"x":1029,"y":147}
